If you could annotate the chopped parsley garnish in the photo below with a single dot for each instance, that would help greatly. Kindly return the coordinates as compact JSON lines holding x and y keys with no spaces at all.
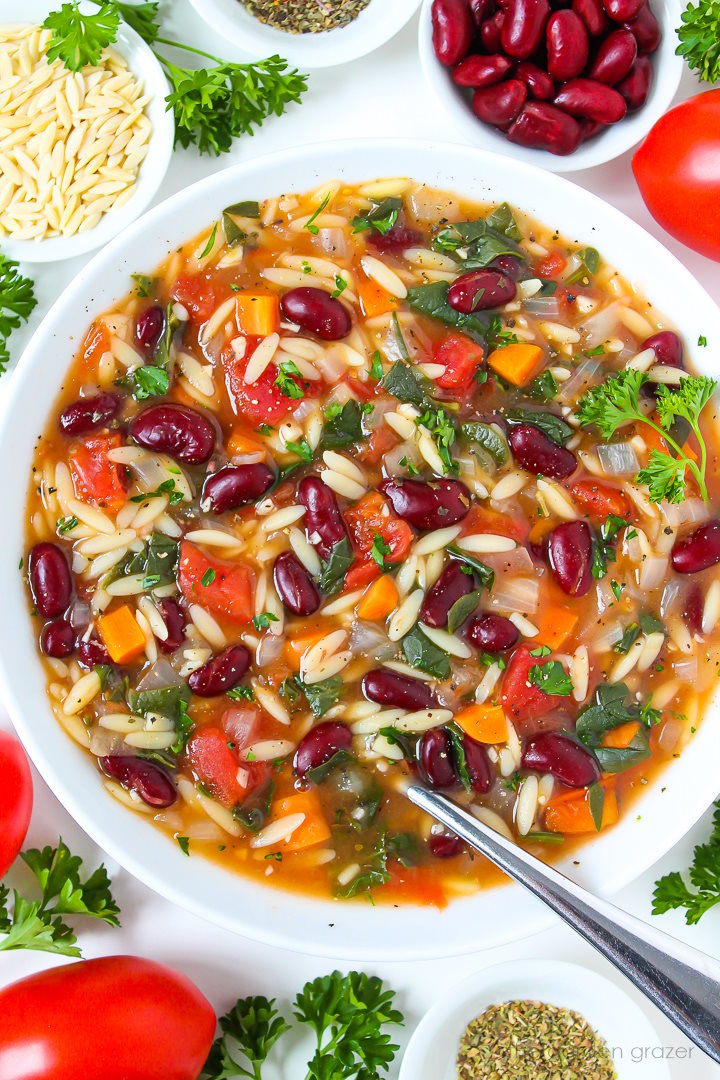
{"x":376,"y":367}
{"x":340,"y":287}
{"x":288,"y":372}
{"x":310,"y":223}
{"x":703,"y":893}
{"x":66,"y":524}
{"x":263,"y":620}
{"x":379,"y":550}
{"x":208,"y":577}
{"x":551,"y":678}
{"x":301,"y":449}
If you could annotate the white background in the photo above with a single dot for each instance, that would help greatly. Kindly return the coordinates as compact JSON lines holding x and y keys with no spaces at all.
{"x":382,"y":94}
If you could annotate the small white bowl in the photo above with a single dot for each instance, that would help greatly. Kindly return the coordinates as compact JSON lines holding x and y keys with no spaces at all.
{"x":609,"y":144}
{"x":375,"y":25}
{"x":144,"y":66}
{"x":607,"y":1008}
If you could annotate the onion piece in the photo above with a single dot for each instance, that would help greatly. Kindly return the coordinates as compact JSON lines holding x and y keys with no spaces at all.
{"x":686,"y":670}
{"x":160,"y":676}
{"x":515,"y":594}
{"x":333,"y":241}
{"x":618,"y":459}
{"x":601,"y":325}
{"x":585,"y":375}
{"x":653,"y":571}
{"x":676,"y":514}
{"x":546,"y":306}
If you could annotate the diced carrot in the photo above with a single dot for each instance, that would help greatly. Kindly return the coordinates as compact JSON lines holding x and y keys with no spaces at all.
{"x":552,"y":265}
{"x":374,"y":300}
{"x":516,"y":363}
{"x":123,"y":638}
{"x":295,"y":646}
{"x":621,"y":737}
{"x":570,"y":813}
{"x":241,"y":443}
{"x":258,"y":314}
{"x":95,"y":477}
{"x":555,"y":625}
{"x":539,"y":530}
{"x":314,"y":829}
{"x":415,"y":885}
{"x":486,"y":723}
{"x":600,"y":499}
{"x":379,"y":599}
{"x":97,"y":341}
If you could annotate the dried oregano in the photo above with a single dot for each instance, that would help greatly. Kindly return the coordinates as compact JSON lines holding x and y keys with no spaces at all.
{"x":305,"y":16}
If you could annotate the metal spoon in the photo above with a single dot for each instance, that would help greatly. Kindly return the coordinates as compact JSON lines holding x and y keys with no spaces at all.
{"x":681,"y":981}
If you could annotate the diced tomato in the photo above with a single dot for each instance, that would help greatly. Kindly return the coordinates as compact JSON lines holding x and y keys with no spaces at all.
{"x":482,"y":520}
{"x":552,"y":265}
{"x":201,"y":294}
{"x":461,"y":358}
{"x":97,"y":479}
{"x":216,"y":766}
{"x":382,"y":439}
{"x":369,"y":517}
{"x":600,"y":499}
{"x":523,"y":703}
{"x":260,"y":402}
{"x":222,"y":587}
{"x":97,"y":341}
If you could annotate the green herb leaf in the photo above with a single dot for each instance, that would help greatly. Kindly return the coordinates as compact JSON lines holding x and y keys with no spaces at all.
{"x":335,"y":569}
{"x":589,"y":262}
{"x":241,"y":693}
{"x":234,"y":233}
{"x":551,"y":678}
{"x":379,"y":550}
{"x":543,"y":388}
{"x":596,"y":802}
{"x":671,"y":892}
{"x":420,"y":652}
{"x":503,"y":221}
{"x":285,"y":380}
{"x":406,"y":384}
{"x":184,"y":844}
{"x":700,"y":40}
{"x":301,"y":449}
{"x":263,"y":620}
{"x":489,"y":438}
{"x":551,"y":425}
{"x":381,"y":217}
{"x":210,"y":243}
{"x":17,"y":300}
{"x":482,"y":571}
{"x":344,"y":427}
{"x":77,"y":38}
{"x":321,"y":696}
{"x":310,"y":223}
{"x":432,"y":300}
{"x":144,"y":285}
{"x":171,"y":702}
{"x":630,"y":635}
{"x":249,"y":1031}
{"x":462,"y":609}
{"x":376,"y":367}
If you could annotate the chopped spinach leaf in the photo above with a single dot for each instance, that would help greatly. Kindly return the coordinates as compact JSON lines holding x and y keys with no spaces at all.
{"x":488,"y":437}
{"x":344,"y":427}
{"x":462,"y":609}
{"x":381,"y":216}
{"x":420,"y":652}
{"x":551,"y":425}
{"x":335,"y":569}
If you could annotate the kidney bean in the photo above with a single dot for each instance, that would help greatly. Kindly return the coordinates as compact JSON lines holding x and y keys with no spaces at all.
{"x":174,"y":618}
{"x":692,"y":612}
{"x":452,"y":30}
{"x":593,"y":15}
{"x":498,"y":105}
{"x":481,"y":289}
{"x":436,"y":758}
{"x":615,"y":57}
{"x":622,"y":10}
{"x":543,"y":127}
{"x":567,"y":45}
{"x":50,"y":579}
{"x":295,"y":587}
{"x":667,"y":347}
{"x":57,"y":639}
{"x":538,"y":82}
{"x":551,"y":752}
{"x":590,"y":129}
{"x":481,"y":10}
{"x":536,"y":453}
{"x":183,"y":433}
{"x":234,"y":485}
{"x":698,"y":550}
{"x":491,"y":633}
{"x":148,"y":328}
{"x":320,"y":744}
{"x":593,"y":100}
{"x":428,"y":505}
{"x":635,"y":87}
{"x":445,"y":845}
{"x":92,"y":653}
{"x":147,"y":779}
{"x":317,"y":311}
{"x":324,"y":524}
{"x":646,"y":30}
{"x":480,"y":70}
{"x":221,"y":673}
{"x":523,"y":27}
{"x":398,"y":238}
{"x":510,"y":267}
{"x":570,"y":552}
{"x":387,"y":687}
{"x":452,"y":584}
{"x":490,"y":32}
{"x":88,"y":413}
{"x":478,"y":765}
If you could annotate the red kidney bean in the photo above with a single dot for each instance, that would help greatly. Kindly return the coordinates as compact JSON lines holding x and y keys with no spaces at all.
{"x":478,"y":765}
{"x":698,"y":550}
{"x":590,"y":129}
{"x":295,"y":587}
{"x":510,"y":267}
{"x":317,"y":311}
{"x":481,"y":289}
{"x":635,"y":87}
{"x":498,"y":105}
{"x":543,"y":127}
{"x":234,"y":485}
{"x":174,"y":618}
{"x":452,"y":584}
{"x":615,"y":57}
{"x":551,"y":752}
{"x":538,"y":82}
{"x":92,"y":653}
{"x":428,"y":505}
{"x":88,"y":413}
{"x":57,"y":639}
{"x":320,"y":744}
{"x":221,"y":673}
{"x":452,"y":30}
{"x":570,"y":552}
{"x":147,"y":779}
{"x":536,"y":453}
{"x":667,"y":347}
{"x":396,"y":239}
{"x":491,"y":633}
{"x":387,"y":687}
{"x":480,"y":70}
{"x":50,"y":579}
{"x":622,"y":10}
{"x":324,"y":524}
{"x":481,"y":10}
{"x":445,"y":845}
{"x":692,"y":612}
{"x":490,"y":32}
{"x":148,"y":328}
{"x":567,"y":45}
{"x":593,"y":100}
{"x":183,"y":433}
{"x":646,"y":30}
{"x":436,"y":758}
{"x":593,"y":15}
{"x":523,"y":27}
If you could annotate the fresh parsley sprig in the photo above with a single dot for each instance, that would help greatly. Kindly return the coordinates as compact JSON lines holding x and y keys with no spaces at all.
{"x":249,"y":1031}
{"x":699,"y":37}
{"x":672,"y":892}
{"x":17,"y":300}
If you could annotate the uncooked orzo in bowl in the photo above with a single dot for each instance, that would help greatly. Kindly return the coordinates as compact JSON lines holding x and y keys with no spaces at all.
{"x":368,"y":482}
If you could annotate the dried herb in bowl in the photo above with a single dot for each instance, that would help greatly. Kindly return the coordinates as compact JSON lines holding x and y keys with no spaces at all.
{"x":305,"y":16}
{"x":530,"y":1040}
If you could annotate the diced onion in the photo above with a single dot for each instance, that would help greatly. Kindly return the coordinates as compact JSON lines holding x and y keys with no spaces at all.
{"x":686,"y":670}
{"x":585,"y":375}
{"x":683,"y":513}
{"x":618,"y":459}
{"x":516,"y":594}
{"x":601,"y":326}
{"x":545,"y":306}
{"x":653,"y":571}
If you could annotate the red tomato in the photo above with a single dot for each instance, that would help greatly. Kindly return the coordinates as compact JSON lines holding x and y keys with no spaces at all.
{"x":368,"y":518}
{"x":461,"y":357}
{"x":226,"y":588}
{"x":677,"y":169}
{"x":523,"y":703}
{"x":16,"y":797}
{"x":116,"y":1018}
{"x":600,"y":499}
{"x":260,"y":402}
{"x":482,"y":520}
{"x":216,"y":766}
{"x":96,"y":477}
{"x":201,"y":295}
{"x":552,"y":265}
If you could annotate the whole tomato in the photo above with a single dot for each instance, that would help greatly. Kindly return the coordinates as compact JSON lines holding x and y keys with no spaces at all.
{"x":677,"y":169}
{"x":116,"y":1018}
{"x":16,"y":797}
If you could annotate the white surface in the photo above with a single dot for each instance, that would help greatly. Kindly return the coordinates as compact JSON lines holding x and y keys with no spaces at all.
{"x":381,"y":95}
{"x":609,"y":144}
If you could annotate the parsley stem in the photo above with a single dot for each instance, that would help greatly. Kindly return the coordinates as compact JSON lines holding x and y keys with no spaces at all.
{"x":698,"y":472}
{"x":185,"y":48}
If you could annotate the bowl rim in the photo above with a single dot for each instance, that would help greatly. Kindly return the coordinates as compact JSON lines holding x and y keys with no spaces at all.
{"x":616,"y":140}
{"x":272,"y":916}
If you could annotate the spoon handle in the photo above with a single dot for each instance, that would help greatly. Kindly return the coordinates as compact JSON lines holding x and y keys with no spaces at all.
{"x":682,"y":982}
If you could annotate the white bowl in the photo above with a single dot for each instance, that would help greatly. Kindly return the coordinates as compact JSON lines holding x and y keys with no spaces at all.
{"x":664,"y":812}
{"x":609,"y":144}
{"x":607,"y":1008}
{"x":144,"y":66}
{"x":375,"y":25}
